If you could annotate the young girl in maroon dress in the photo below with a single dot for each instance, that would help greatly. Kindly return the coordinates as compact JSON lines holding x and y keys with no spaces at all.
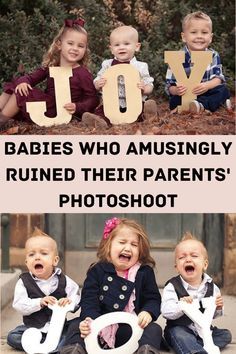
{"x":69,"y":48}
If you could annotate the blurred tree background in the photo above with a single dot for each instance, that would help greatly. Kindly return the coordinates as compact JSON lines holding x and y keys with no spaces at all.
{"x":27,"y":28}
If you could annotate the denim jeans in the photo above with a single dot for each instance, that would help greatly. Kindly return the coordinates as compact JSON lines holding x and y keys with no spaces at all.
{"x":14,"y":337}
{"x":211,"y":100}
{"x":184,"y":341}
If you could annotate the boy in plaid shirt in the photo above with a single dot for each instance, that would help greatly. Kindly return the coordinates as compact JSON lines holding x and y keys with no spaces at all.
{"x":212,"y":91}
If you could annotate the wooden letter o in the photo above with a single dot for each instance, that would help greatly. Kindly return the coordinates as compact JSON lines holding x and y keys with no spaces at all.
{"x":132,"y":92}
{"x":103,"y":321}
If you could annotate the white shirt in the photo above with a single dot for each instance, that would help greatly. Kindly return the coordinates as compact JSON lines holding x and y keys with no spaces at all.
{"x":170,"y":308}
{"x":139,"y":65}
{"x":26,"y":306}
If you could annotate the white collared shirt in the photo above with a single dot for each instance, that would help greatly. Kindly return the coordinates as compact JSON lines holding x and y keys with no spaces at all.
{"x":170,"y":308}
{"x":26,"y":306}
{"x":141,"y":66}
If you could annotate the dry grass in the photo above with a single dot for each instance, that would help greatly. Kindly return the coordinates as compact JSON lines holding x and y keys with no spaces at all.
{"x":221,"y":122}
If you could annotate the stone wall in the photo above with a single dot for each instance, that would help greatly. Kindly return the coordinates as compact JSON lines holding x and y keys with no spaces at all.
{"x":230,"y":255}
{"x":22,"y":226}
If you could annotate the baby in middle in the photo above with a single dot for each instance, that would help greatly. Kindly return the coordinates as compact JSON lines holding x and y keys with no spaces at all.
{"x":124,"y":42}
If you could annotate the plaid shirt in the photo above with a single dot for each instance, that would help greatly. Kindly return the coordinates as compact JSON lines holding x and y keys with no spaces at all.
{"x":213,"y":70}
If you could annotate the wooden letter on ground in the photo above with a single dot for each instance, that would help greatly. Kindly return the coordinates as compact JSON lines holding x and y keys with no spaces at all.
{"x":132,"y":93}
{"x":202,"y":320}
{"x":36,"y":110}
{"x":91,"y":341}
{"x":200,"y":61}
{"x":31,"y":338}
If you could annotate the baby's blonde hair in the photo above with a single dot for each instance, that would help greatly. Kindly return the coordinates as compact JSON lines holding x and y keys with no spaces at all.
{"x":39,"y":233}
{"x":52,"y":57}
{"x":189,"y":236}
{"x":104,"y":248}
{"x":198,"y":15}
{"x":129,"y":29}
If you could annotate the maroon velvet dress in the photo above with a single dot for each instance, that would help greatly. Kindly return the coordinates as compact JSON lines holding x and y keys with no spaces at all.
{"x":83,"y":92}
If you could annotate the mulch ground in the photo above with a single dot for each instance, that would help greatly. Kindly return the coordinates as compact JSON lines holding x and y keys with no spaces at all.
{"x":221,"y":122}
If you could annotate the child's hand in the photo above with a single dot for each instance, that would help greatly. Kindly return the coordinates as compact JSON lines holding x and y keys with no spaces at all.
{"x":100,"y":83}
{"x":84,"y":327}
{"x":23,"y":89}
{"x":70,"y":107}
{"x":146,"y":88}
{"x":64,"y":301}
{"x":178,"y":90}
{"x":187,"y":299}
{"x":219,"y":302}
{"x":141,"y":85}
{"x":45,"y":301}
{"x":201,"y":88}
{"x":144,"y":318}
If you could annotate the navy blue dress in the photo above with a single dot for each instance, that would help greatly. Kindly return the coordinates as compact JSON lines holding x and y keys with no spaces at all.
{"x":104,"y":291}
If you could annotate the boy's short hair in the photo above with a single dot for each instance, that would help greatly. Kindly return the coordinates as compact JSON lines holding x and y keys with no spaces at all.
{"x":198,"y":15}
{"x":189,"y":236}
{"x":130,"y":29}
{"x":39,"y":233}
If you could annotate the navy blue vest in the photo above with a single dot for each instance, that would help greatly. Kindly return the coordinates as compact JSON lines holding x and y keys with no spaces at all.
{"x":181,"y":292}
{"x":39,"y":318}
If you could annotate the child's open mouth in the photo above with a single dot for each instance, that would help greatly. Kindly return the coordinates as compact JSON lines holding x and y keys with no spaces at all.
{"x":189,"y":269}
{"x":125,"y":258}
{"x":38,"y":267}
